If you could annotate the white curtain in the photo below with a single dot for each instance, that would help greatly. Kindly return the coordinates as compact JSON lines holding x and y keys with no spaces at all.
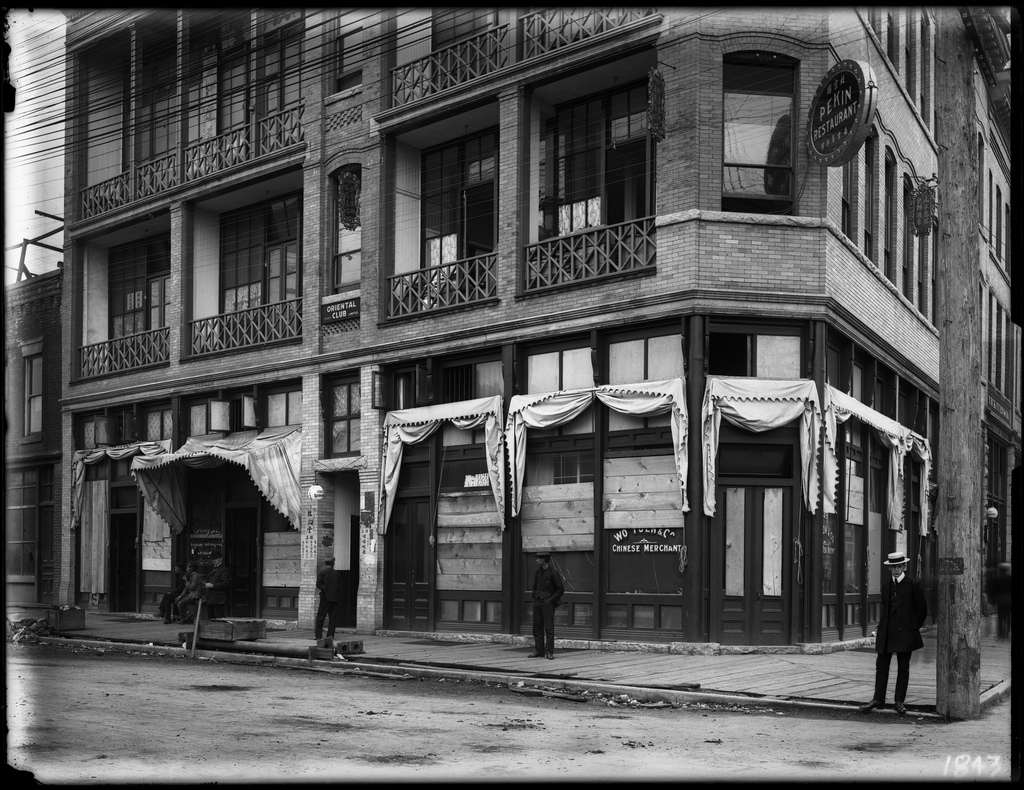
{"x":83,"y":458}
{"x":550,"y":409}
{"x":839,"y":407}
{"x":760,"y":405}
{"x":409,"y":426}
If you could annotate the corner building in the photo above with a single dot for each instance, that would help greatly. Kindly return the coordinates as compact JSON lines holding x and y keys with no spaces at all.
{"x":430,"y":291}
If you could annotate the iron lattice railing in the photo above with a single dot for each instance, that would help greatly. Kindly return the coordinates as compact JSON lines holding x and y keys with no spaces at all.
{"x":106,"y":195}
{"x":217,"y":153}
{"x":254,"y":326}
{"x":281,"y":130}
{"x":155,"y":176}
{"x":552,"y":28}
{"x":590,"y":255}
{"x":126,"y":353}
{"x":454,"y":65}
{"x":439,"y":287}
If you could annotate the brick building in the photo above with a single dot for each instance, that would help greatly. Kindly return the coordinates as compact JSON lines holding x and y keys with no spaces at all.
{"x":430,"y":291}
{"x":32,"y":436}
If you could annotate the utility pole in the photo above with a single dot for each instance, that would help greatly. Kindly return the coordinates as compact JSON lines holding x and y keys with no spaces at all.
{"x":959,"y":503}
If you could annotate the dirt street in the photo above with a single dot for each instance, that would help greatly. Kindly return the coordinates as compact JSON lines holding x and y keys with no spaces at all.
{"x":81,"y":715}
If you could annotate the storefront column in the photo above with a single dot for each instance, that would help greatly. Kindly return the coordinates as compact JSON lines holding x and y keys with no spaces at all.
{"x":813,"y":556}
{"x":696,"y":627}
{"x":370,"y":597}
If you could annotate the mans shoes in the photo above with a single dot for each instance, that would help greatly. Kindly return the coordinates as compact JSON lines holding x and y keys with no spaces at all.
{"x":536,"y":655}
{"x":550,"y":656}
{"x":870,"y":706}
{"x":901,"y":709}
{"x":167,"y":621}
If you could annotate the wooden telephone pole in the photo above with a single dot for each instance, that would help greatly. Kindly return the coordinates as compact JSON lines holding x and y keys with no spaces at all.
{"x":959,"y":503}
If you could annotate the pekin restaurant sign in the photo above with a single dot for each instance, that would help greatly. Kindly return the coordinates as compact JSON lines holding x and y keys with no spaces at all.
{"x":841,"y":113}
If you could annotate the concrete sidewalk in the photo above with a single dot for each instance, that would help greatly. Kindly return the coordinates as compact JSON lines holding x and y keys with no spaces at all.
{"x":838,"y":676}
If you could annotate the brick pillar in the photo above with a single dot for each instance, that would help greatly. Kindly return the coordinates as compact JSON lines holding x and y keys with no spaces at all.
{"x":370,"y":598}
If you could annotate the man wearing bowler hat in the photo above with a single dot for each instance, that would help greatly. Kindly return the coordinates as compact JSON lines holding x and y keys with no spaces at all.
{"x":904,"y":610}
{"x":547,"y":592}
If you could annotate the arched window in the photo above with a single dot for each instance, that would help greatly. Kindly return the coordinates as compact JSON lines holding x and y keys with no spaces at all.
{"x":869,"y":196}
{"x":889,"y":216}
{"x":346,"y":270}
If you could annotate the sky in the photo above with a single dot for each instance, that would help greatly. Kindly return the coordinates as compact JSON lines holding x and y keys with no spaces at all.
{"x":34,"y":138}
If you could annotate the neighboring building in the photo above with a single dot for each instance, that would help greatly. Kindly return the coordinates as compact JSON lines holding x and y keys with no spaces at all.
{"x":32,"y":436}
{"x":428,"y":291}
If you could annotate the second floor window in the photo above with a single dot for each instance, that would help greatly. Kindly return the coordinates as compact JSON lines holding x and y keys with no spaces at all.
{"x":260,"y":255}
{"x":345,"y":418}
{"x":596,"y":163}
{"x":156,"y":122}
{"x":33,"y":394}
{"x":278,"y":70}
{"x":869,"y":197}
{"x":459,"y":200}
{"x":349,"y":69}
{"x":758,"y":140}
{"x":139,"y":274}
{"x":889,"y":216}
{"x":908,"y":239}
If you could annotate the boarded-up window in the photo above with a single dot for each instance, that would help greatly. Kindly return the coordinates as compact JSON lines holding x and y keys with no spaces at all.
{"x":468,"y":542}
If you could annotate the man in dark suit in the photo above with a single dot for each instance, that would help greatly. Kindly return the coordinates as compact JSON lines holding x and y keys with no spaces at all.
{"x":328,"y":582}
{"x":547,"y":592}
{"x":217,"y":587}
{"x":904,"y":610}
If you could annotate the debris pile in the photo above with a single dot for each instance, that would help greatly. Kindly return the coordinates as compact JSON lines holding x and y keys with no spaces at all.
{"x":28,"y":630}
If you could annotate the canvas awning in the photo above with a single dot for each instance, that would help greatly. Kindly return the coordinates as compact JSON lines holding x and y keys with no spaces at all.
{"x":550,"y":409}
{"x":409,"y":426}
{"x":839,"y":407}
{"x":757,"y":404}
{"x":83,"y":458}
{"x":272,"y":457}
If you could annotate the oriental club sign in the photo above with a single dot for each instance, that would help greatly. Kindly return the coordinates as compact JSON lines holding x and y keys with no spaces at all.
{"x":841,"y":113}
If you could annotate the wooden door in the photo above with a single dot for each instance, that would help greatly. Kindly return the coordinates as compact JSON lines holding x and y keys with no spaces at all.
{"x":241,"y":558}
{"x":753,"y":529}
{"x":123,"y":574}
{"x":408,"y":564}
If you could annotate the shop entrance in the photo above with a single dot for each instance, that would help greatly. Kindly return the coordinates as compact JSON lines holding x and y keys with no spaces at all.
{"x":408,"y":566}
{"x":753,"y":528}
{"x":240,"y":555}
{"x":123,"y":572}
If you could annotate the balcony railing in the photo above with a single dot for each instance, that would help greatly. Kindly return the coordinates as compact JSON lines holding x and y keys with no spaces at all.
{"x":454,"y":65}
{"x":552,"y":28}
{"x":591,"y":255}
{"x":267,"y":135}
{"x":126,"y":353}
{"x":439,"y":287}
{"x":254,"y":326}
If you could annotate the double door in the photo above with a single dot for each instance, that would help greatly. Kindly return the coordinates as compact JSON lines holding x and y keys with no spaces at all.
{"x":752,"y":572}
{"x":408,"y":566}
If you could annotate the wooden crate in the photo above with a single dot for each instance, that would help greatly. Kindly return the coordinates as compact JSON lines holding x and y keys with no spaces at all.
{"x":66,"y":619}
{"x":229,"y":630}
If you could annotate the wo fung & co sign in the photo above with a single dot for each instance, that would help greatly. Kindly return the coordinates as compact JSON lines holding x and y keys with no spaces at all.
{"x":841,"y":113}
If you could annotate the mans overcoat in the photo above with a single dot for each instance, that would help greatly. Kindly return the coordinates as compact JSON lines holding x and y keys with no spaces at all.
{"x":899,"y":628}
{"x":220,"y":578}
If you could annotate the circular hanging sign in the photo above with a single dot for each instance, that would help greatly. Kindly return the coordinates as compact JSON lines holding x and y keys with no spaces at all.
{"x":841,"y":113}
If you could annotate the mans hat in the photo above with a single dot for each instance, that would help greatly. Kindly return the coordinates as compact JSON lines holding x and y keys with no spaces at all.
{"x":216,"y":554}
{"x":544,"y":555}
{"x":896,"y":558}
{"x":329,"y":560}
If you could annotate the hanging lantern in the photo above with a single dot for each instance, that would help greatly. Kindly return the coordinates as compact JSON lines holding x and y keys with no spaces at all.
{"x":656,"y":105}
{"x":924,"y":208}
{"x":348,"y":201}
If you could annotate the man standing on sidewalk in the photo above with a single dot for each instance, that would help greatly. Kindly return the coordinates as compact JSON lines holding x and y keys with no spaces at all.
{"x":547,"y":592}
{"x":904,"y":610}
{"x":328,"y":582}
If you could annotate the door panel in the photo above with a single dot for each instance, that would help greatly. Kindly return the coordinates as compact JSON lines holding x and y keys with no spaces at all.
{"x":123,"y":574}
{"x":408,"y":566}
{"x":754,"y":528}
{"x":241,"y":558}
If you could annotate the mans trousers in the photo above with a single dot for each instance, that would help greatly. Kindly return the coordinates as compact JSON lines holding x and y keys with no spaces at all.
{"x":543,"y":627}
{"x":882,"y":664}
{"x":167,"y":609}
{"x":326,"y":610}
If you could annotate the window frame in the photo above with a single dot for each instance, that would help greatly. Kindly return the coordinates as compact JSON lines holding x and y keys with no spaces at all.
{"x":352,"y":418}
{"x":346,"y":77}
{"x":33,"y":422}
{"x":889,"y":215}
{"x":138,"y":264}
{"x":338,"y":283}
{"x":761,"y":203}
